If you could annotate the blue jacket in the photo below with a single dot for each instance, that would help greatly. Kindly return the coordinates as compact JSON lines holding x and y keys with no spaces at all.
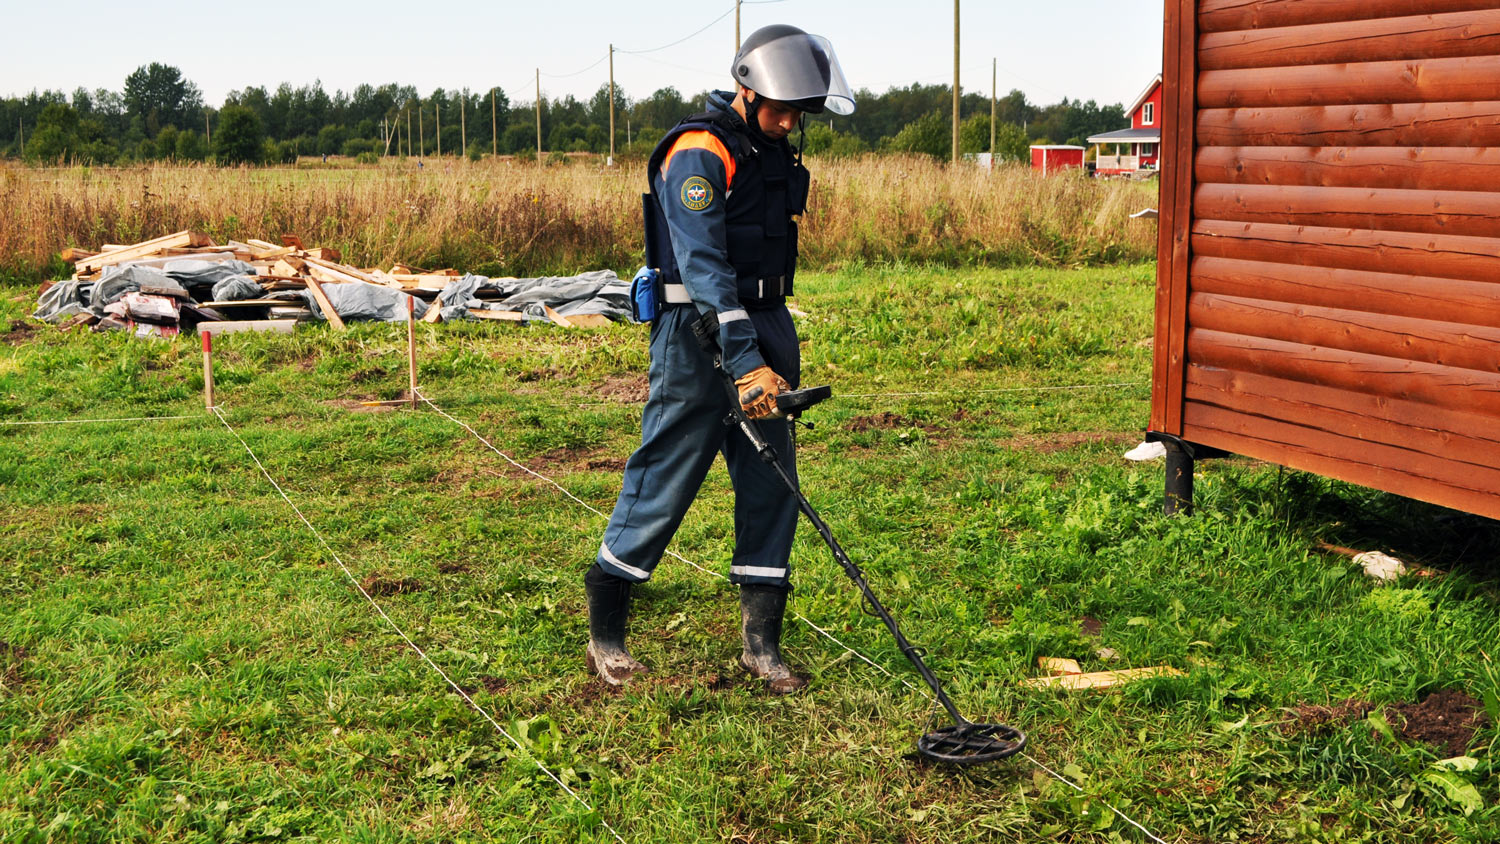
{"x":692,"y":187}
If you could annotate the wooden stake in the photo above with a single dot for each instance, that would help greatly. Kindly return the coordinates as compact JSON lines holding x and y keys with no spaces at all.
{"x":208,"y":370}
{"x":411,"y":345}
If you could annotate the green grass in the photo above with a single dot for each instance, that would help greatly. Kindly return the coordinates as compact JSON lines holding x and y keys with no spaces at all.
{"x":184,"y":662}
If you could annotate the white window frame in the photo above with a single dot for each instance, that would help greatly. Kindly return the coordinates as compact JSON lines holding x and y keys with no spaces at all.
{"x":1148,"y":149}
{"x":1148,"y":114}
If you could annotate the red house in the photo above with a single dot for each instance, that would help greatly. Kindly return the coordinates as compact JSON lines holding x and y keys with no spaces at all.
{"x":1135,"y":152}
{"x":1050,"y":158}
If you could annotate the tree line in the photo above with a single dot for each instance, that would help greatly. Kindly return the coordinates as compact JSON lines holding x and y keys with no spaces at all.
{"x":160,"y":115}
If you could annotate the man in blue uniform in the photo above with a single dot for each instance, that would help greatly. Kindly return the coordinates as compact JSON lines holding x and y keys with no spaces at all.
{"x":721,"y":231}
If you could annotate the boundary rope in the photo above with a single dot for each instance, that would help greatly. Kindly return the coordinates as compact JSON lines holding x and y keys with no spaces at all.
{"x":399,"y":632}
{"x":88,"y":421}
{"x":804,"y":619}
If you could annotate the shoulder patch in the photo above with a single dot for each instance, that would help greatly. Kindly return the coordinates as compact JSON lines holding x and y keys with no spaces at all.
{"x":697,"y":193}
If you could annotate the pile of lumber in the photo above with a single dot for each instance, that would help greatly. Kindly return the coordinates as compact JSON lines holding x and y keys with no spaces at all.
{"x":290,"y":266}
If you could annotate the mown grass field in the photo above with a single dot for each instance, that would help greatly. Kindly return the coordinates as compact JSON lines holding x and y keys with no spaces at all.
{"x":182,"y":661}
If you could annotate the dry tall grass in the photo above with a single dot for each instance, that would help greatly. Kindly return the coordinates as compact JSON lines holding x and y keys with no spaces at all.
{"x":505,"y":218}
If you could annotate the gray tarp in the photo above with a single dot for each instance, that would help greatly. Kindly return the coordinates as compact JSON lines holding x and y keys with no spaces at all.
{"x":597,"y":292}
{"x":358,"y":300}
{"x":63,"y":300}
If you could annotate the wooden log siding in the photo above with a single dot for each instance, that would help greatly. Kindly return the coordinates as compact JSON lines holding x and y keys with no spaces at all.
{"x":1335,"y":306}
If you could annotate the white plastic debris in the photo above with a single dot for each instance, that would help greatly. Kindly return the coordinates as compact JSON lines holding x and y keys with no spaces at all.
{"x":1146,"y":451}
{"x":1381,"y":566}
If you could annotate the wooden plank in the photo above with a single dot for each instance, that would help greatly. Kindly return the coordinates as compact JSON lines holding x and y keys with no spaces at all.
{"x":556,"y":317}
{"x":1388,"y":467}
{"x":1056,"y":666}
{"x":338,"y":272}
{"x":251,"y":303}
{"x":329,"y":313}
{"x":1470,"y":213}
{"x":590,"y":321}
{"x":1099,"y":679}
{"x":278,"y":326}
{"x":1458,"y":345}
{"x":1465,"y":124}
{"x":1426,"y":36}
{"x":143,"y":249}
{"x":1471,"y":302}
{"x":1462,"y":437}
{"x":1465,"y":79}
{"x":1405,"y":168}
{"x":73,"y":254}
{"x":504,"y":316}
{"x":1466,"y":390}
{"x":434,"y":313}
{"x":1444,"y":256}
{"x":1224,"y":15}
{"x":1174,"y":238}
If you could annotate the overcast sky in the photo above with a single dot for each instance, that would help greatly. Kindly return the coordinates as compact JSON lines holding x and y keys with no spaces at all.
{"x":1104,"y":50}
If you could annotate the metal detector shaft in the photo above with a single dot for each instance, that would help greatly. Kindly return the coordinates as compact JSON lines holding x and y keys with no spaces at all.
{"x":768,"y":454}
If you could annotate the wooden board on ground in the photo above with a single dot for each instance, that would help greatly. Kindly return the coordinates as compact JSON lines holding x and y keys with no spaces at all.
{"x":505,"y":316}
{"x":279,"y":326}
{"x":556,"y":317}
{"x":1099,"y":679}
{"x":589,"y":320}
{"x":1057,"y":666}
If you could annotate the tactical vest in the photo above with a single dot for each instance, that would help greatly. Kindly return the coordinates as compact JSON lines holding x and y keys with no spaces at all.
{"x":769,"y":189}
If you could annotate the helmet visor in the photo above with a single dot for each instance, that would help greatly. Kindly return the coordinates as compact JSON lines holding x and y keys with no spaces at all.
{"x":797,"y":68}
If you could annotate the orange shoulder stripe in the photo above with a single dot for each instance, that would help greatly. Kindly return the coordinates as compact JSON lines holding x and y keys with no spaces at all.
{"x":702,"y":139}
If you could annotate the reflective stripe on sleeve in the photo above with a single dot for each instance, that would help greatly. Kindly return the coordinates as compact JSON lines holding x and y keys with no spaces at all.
{"x":733,"y":316}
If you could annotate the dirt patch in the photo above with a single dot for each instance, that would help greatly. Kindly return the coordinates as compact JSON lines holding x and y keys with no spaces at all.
{"x":11,"y":671}
{"x":20,"y":332}
{"x":606,"y":464}
{"x":452,"y":567}
{"x":1445,"y":719}
{"x":377,"y":585}
{"x":1062,"y":441}
{"x":575,"y":459}
{"x":626,"y":389}
{"x":722,"y":683}
{"x":370,"y":374}
{"x":1310,"y":719}
{"x":492,"y":684}
{"x":885,"y":421}
{"x":1090,"y":625}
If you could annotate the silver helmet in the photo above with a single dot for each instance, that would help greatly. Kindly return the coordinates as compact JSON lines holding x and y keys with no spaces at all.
{"x":784,"y":63}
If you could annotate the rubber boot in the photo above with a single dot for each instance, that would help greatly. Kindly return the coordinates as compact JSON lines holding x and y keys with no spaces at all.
{"x":761,"y":611}
{"x":609,"y":607}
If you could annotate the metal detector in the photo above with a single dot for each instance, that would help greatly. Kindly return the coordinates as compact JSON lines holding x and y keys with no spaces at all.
{"x":964,"y":742}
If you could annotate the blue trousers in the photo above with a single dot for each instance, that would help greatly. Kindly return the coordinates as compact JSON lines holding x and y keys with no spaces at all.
{"x":682,"y":429}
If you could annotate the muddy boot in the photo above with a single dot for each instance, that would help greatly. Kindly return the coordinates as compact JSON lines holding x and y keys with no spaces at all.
{"x":609,"y":607}
{"x":761,"y":611}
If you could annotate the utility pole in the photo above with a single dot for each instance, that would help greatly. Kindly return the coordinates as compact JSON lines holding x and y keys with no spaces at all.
{"x":736,"y":27}
{"x":21,"y":132}
{"x":408,"y":133}
{"x":538,"y":117}
{"x":611,"y":160}
{"x":438,"y":110}
{"x":993,"y":64}
{"x":422,"y":133}
{"x":463,"y":123}
{"x":494,"y":132}
{"x":955,"y":81}
{"x":206,"y":132}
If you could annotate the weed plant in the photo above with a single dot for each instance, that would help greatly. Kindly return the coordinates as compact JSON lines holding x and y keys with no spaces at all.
{"x":180,"y":660}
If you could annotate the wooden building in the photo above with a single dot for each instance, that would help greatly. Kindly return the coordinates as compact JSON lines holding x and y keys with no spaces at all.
{"x":1135,"y":152}
{"x":1054,"y":158}
{"x":1328,"y":289}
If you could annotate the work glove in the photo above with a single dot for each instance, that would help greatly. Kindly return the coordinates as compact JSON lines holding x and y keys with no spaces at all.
{"x":758,"y":389}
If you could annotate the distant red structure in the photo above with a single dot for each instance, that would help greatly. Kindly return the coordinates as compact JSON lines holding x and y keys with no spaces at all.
{"x":1050,"y":158}
{"x":1133,"y":152}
